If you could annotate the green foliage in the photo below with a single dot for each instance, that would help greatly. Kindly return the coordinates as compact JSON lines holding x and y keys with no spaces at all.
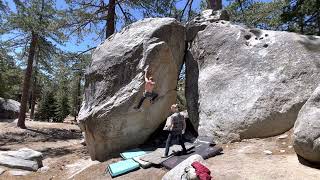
{"x":10,"y":77}
{"x":90,"y":16}
{"x":40,"y":17}
{"x":302,"y":16}
{"x":181,"y":99}
{"x":62,"y":108}
{"x":62,"y":92}
{"x":288,"y":15}
{"x":78,"y":64}
{"x":46,"y":107}
{"x":253,"y":13}
{"x":75,"y":100}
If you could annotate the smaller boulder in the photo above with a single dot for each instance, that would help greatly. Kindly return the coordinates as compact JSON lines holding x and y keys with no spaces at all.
{"x":43,"y":169}
{"x":2,"y":171}
{"x":178,"y":171}
{"x":306,"y":129}
{"x":17,"y":163}
{"x":26,"y":154}
{"x":267,"y":152}
{"x":9,"y":109}
{"x":284,"y":136}
{"x":19,"y":172}
{"x":23,"y":158}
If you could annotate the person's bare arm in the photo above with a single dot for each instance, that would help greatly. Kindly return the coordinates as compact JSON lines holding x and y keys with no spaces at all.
{"x":168,"y":123}
{"x":145,"y":75}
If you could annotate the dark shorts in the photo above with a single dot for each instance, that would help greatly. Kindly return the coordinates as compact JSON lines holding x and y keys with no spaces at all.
{"x":149,"y":94}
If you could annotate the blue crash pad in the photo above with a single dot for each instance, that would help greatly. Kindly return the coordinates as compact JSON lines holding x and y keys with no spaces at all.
{"x":122,"y":167}
{"x":132,"y":153}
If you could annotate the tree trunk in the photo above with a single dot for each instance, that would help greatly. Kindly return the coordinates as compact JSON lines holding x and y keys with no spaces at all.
{"x":26,"y":82}
{"x":34,"y":90}
{"x":111,"y":17}
{"x":214,"y":4}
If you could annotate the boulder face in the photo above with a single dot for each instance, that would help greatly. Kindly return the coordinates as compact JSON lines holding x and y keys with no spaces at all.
{"x":202,"y":20}
{"x":192,"y":72}
{"x":9,"y":109}
{"x":115,"y":84}
{"x":251,"y":83}
{"x":307,"y":129}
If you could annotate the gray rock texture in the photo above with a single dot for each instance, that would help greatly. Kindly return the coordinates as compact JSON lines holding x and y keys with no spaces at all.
{"x":115,"y":83}
{"x":26,"y":154}
{"x":19,"y":172}
{"x":192,"y":72}
{"x":9,"y":109}
{"x":2,"y":171}
{"x":18,"y":163}
{"x":177,"y":171}
{"x":201,"y":21}
{"x":307,"y":129}
{"x":251,"y":83}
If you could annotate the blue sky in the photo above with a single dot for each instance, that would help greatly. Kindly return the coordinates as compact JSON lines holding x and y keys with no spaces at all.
{"x":91,"y":40}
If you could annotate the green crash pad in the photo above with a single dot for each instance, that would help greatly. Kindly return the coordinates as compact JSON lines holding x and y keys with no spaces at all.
{"x":132,"y":153}
{"x":122,"y":167}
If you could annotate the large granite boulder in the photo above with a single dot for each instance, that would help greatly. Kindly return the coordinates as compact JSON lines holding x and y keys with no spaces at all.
{"x":9,"y":109}
{"x":197,"y":24}
{"x":307,"y":129}
{"x":251,"y":83}
{"x":115,"y":83}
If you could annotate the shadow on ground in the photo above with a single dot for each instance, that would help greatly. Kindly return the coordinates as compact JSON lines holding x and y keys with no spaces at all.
{"x":39,"y":135}
{"x":62,"y":151}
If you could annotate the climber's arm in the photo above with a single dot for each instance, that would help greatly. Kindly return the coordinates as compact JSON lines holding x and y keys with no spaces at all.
{"x":145,"y":75}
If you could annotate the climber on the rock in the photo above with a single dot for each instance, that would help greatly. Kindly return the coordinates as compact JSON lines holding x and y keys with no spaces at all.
{"x":148,"y":89}
{"x":176,"y":125}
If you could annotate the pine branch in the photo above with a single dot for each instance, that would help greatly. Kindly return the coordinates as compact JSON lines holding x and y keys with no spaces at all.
{"x":127,"y":19}
{"x":185,"y":7}
{"x":190,"y":8}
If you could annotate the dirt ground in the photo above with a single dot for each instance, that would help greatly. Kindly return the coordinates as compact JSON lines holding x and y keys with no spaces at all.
{"x":68,"y":159}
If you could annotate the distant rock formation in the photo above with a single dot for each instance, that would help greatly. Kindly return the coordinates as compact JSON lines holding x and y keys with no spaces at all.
{"x":307,"y":129}
{"x":251,"y":83}
{"x":9,"y":109}
{"x":115,"y":84}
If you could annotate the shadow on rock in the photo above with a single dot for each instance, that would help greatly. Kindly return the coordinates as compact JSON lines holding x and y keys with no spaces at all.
{"x":308,"y":163}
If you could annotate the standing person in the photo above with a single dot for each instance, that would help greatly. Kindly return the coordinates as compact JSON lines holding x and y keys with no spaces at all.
{"x":148,"y":89}
{"x":176,"y":125}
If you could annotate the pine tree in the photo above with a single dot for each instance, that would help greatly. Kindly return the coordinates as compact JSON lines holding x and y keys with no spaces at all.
{"x":79,"y":63}
{"x":62,"y":108}
{"x":10,"y":76}
{"x":302,"y":16}
{"x":35,"y":21}
{"x":62,"y":98}
{"x":98,"y":17}
{"x":46,"y":107}
{"x":257,"y":14}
